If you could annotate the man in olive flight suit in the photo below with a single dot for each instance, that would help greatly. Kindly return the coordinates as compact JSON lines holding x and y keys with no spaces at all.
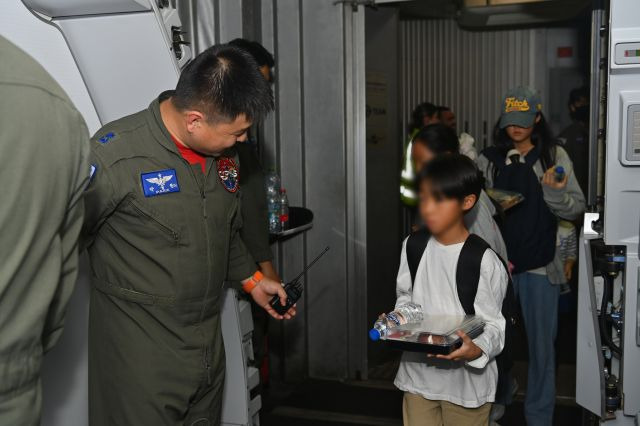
{"x":162,"y":222}
{"x":44,"y":169}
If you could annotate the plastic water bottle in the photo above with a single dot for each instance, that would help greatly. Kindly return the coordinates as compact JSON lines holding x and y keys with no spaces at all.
{"x":559,"y":173}
{"x":273,"y":208}
{"x":272,"y":183}
{"x":403,"y":314}
{"x":284,"y":210}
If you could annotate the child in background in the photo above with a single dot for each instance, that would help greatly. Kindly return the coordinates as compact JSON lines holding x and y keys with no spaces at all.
{"x":568,"y":247}
{"x":456,"y":389}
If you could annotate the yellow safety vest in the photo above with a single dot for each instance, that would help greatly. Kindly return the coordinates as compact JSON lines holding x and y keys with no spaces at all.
{"x":408,"y":193}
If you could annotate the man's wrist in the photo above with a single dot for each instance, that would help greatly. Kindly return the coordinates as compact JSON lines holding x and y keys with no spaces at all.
{"x":249,"y":284}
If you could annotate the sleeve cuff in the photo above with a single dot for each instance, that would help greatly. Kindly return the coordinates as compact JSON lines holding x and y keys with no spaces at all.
{"x":482,"y":360}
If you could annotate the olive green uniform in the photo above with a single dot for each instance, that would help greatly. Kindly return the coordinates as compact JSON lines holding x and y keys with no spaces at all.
{"x":44,"y":147}
{"x":159,"y":255}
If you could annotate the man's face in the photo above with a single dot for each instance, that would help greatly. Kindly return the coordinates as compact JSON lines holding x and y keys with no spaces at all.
{"x":214,"y":138}
{"x":438,"y":214}
{"x":448,"y":118}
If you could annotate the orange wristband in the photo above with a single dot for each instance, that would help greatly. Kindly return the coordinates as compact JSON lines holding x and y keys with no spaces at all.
{"x":252,"y":282}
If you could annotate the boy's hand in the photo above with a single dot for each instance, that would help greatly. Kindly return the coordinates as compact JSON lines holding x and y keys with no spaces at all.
{"x":568,"y":269}
{"x":467,"y":352}
{"x":265,"y":290}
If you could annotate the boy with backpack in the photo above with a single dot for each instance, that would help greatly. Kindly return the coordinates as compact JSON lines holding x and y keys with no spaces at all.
{"x":455,"y":389}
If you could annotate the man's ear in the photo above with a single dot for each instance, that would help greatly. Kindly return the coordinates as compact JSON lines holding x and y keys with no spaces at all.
{"x":468,"y":202}
{"x":194,"y":119}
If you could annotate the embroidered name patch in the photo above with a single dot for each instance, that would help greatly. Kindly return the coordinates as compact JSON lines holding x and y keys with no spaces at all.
{"x":160,"y":182}
{"x":228,"y":173}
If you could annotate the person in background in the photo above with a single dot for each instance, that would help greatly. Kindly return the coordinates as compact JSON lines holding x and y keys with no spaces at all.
{"x":262,"y":56}
{"x":438,"y":139}
{"x":456,"y":389}
{"x":424,"y":114}
{"x":255,"y":229}
{"x":568,"y":246}
{"x":44,"y":168}
{"x":575,"y":138}
{"x":467,"y":142}
{"x":255,"y":223}
{"x":523,"y":159}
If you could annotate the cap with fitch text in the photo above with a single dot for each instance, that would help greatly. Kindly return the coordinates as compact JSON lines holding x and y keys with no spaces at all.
{"x":521,"y":105}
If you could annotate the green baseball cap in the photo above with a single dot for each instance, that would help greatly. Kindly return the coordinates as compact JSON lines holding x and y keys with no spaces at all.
{"x":521,"y":105}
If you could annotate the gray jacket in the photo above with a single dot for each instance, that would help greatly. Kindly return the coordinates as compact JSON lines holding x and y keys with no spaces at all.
{"x":566,"y":203}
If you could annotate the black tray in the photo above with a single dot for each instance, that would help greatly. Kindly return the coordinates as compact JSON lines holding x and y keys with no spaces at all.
{"x":435,"y":335}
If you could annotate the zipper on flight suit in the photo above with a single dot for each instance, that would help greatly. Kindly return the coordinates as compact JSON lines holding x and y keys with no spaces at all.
{"x":155,"y":220}
{"x":203,"y":198}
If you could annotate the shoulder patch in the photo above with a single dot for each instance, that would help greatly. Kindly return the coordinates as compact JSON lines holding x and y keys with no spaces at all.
{"x":106,"y":137}
{"x":159,"y":182}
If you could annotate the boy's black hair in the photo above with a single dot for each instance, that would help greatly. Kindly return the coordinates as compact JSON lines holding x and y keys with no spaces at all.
{"x":261,"y":55}
{"x":223,"y":82}
{"x":452,"y":176}
{"x":438,"y":138}
{"x":541,"y":137}
{"x":423,"y":110}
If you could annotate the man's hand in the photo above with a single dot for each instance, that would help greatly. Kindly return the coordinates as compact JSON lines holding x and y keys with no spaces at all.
{"x":549,"y":179}
{"x":264,"y":291}
{"x":467,"y":352}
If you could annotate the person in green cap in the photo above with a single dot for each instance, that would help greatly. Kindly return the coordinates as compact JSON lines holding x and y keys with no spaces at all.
{"x":44,"y":149}
{"x":525,"y":158}
{"x":162,"y":231}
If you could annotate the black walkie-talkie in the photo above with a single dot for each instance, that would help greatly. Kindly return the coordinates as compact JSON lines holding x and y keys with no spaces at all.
{"x":293,"y":289}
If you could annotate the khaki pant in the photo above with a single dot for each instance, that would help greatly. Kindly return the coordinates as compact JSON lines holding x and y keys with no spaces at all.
{"x":418,"y":411}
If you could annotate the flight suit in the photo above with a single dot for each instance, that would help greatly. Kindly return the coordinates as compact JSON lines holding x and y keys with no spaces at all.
{"x":162,"y":238}
{"x":44,"y":169}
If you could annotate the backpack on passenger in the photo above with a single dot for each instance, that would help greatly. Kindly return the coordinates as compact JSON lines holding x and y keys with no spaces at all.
{"x":467,"y":278}
{"x":529,"y":228}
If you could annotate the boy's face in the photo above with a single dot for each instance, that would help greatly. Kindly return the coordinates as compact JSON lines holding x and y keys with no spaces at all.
{"x":439,"y":214}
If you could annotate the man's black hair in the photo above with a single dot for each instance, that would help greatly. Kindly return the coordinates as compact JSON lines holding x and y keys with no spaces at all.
{"x":576,"y":94}
{"x":261,"y":55}
{"x":423,"y":110}
{"x":541,"y":137}
{"x":452,"y":176}
{"x":223,"y":82}
{"x":438,"y":138}
{"x":441,"y":109}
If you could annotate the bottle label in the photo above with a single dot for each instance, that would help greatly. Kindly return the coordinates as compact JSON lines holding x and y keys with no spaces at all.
{"x":284,"y":218}
{"x":395,"y":318}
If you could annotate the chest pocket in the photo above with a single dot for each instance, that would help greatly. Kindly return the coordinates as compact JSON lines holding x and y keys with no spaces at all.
{"x":155,"y":226}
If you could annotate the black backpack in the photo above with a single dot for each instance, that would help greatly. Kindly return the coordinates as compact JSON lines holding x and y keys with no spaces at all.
{"x":467,"y":278}
{"x":529,"y":228}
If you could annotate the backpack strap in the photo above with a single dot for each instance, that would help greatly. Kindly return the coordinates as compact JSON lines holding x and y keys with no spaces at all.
{"x":416,"y":245}
{"x":468,"y":271}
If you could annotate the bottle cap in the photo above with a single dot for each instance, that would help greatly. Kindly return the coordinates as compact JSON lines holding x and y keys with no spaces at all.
{"x":559,"y":169}
{"x":374,"y":334}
